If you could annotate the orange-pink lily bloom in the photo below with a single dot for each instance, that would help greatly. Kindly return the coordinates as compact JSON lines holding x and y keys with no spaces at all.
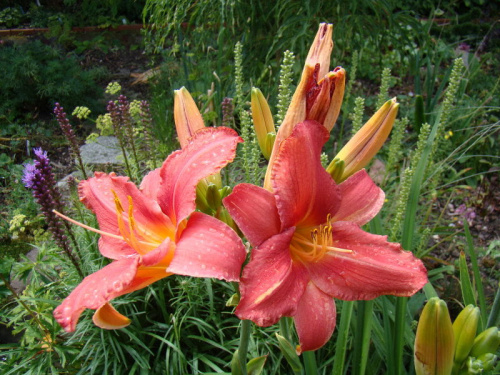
{"x":153,"y":231}
{"x":308,"y":247}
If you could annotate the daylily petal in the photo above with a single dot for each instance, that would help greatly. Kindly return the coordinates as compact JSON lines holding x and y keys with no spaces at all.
{"x":151,"y":184}
{"x":375,"y":267}
{"x":96,"y":290}
{"x":107,"y":317}
{"x":271,"y":283}
{"x":97,"y":194}
{"x":254,"y":210}
{"x":208,"y":248}
{"x":361,"y":199}
{"x":207,"y":153}
{"x":159,"y":254}
{"x":305,"y":193}
{"x":315,"y":318}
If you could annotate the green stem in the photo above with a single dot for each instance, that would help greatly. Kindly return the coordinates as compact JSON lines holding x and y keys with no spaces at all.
{"x":399,"y":328}
{"x":310,"y":363}
{"x":246,"y":326}
{"x":343,"y":333}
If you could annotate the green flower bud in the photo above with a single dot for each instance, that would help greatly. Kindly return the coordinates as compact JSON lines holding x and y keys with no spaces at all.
{"x":486,"y":342}
{"x":474,"y":366}
{"x":465,"y":328}
{"x":434,"y":341}
{"x":213,"y":197}
{"x":488,"y":360}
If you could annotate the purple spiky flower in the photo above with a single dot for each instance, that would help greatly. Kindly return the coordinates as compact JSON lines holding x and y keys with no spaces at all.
{"x":39,"y":178}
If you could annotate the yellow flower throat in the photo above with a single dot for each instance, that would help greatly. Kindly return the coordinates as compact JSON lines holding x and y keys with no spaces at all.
{"x":311,"y":244}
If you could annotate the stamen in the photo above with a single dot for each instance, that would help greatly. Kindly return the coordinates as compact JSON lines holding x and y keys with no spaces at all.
{"x":132,"y":226}
{"x":102,"y":233}
{"x":119,"y":218}
{"x":319,"y":242}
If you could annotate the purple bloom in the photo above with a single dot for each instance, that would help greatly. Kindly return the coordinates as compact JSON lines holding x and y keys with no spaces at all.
{"x":29,"y":175}
{"x":39,"y":178}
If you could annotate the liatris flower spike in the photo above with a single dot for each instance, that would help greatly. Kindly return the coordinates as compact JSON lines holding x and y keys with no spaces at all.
{"x":308,"y":245}
{"x":153,"y":231}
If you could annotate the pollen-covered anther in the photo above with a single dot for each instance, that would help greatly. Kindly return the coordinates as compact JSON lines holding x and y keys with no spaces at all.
{"x":314,"y":247}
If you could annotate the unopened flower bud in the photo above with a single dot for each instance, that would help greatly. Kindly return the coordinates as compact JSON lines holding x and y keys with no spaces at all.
{"x":473,"y":366}
{"x":318,"y":95}
{"x":488,"y":361}
{"x":263,"y":122}
{"x":363,"y":146}
{"x":434,"y":341}
{"x":465,"y":328}
{"x":486,"y":342}
{"x":187,"y":117}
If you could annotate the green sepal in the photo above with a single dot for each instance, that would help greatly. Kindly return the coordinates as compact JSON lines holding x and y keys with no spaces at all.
{"x":289,"y":353}
{"x":256,"y":365}
{"x":253,"y":367}
{"x":233,"y":300}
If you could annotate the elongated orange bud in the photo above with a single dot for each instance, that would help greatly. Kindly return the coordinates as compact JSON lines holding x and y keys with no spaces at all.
{"x":363,"y":146}
{"x":187,"y":117}
{"x":318,"y":95}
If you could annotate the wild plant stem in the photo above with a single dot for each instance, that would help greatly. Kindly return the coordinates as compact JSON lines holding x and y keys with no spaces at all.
{"x":246,"y":326}
{"x":310,"y":363}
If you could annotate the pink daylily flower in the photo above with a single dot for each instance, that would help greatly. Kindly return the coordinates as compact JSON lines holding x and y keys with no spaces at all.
{"x":153,"y":231}
{"x":308,"y":245}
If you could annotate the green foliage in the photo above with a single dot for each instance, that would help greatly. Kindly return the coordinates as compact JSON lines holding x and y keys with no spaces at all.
{"x":36,"y":75}
{"x":10,"y":17}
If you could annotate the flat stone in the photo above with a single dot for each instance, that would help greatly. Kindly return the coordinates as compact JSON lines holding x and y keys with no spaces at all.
{"x":105,"y":150}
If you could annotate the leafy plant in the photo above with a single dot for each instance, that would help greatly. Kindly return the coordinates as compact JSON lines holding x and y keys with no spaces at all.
{"x":37,"y":75}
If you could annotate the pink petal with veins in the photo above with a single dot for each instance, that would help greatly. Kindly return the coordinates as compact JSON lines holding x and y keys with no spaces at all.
{"x":374,"y":268}
{"x":315,"y":318}
{"x":254,"y":210}
{"x":271,"y":284}
{"x":208,"y":248}
{"x":207,"y":153}
{"x":361,"y":199}
{"x":305,"y":193}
